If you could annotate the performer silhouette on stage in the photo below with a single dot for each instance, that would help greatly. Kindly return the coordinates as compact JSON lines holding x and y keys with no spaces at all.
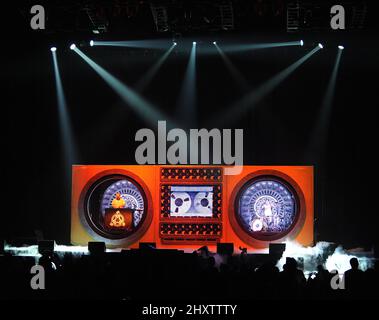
{"x":118,"y":202}
{"x":267,"y":210}
{"x":269,"y":220}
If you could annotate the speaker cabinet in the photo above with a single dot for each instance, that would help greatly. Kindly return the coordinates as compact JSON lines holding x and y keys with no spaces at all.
{"x":185,"y":207}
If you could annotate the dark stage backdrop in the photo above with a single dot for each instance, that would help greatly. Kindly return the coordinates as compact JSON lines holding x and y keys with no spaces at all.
{"x":36,"y":188}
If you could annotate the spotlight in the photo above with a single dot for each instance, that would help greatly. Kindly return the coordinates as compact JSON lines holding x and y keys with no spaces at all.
{"x":301,"y":42}
{"x":73,"y":46}
{"x":175,"y":44}
{"x":214,"y":42}
{"x":320,"y":45}
{"x":53,"y":49}
{"x":91,"y":43}
{"x":341,"y":47}
{"x":194,"y":43}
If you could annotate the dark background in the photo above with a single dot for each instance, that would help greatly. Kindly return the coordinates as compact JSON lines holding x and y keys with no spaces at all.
{"x":36,"y":186}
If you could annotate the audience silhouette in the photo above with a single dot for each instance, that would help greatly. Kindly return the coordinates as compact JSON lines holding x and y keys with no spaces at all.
{"x":177,"y":276}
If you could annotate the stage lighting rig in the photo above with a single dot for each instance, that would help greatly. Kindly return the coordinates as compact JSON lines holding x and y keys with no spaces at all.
{"x":193,"y":15}
{"x":160,"y":15}
{"x":97,"y":18}
{"x":316,"y":15}
{"x":226,"y":15}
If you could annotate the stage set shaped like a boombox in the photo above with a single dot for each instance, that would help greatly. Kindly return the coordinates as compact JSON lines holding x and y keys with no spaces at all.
{"x":185,"y":207}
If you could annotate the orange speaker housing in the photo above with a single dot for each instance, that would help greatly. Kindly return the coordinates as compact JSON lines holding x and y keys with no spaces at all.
{"x":84,"y":177}
{"x":169,"y":231}
{"x":300,"y":178}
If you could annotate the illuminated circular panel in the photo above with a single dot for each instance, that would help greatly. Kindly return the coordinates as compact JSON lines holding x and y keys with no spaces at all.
{"x":130,"y":193}
{"x":267,"y":208}
{"x":98,"y":208}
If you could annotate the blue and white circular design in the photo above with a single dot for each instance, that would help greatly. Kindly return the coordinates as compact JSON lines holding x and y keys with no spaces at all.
{"x":267,"y":207}
{"x":131,"y":195}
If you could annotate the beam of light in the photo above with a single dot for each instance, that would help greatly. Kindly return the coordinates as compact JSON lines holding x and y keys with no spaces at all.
{"x":69,"y":146}
{"x":145,"y":44}
{"x":237,"y":75}
{"x":259,"y":46}
{"x":253,"y":98}
{"x":320,"y":131}
{"x":142,"y":107}
{"x":186,"y":105}
{"x":151,"y":73}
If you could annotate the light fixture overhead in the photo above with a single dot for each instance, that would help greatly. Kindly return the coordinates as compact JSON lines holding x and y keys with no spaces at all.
{"x":301,"y":42}
{"x":214,"y":42}
{"x":91,"y":43}
{"x":194,"y":43}
{"x":53,"y":49}
{"x":73,"y":46}
{"x":175,"y":44}
{"x":321,"y":46}
{"x":341,"y":47}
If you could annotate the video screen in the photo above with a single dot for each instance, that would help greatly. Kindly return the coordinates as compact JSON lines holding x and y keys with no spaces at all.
{"x":191,"y":201}
{"x":267,"y":206}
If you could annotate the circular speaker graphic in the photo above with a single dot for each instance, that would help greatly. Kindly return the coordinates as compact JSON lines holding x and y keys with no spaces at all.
{"x":267,"y":208}
{"x":203,"y":203}
{"x":115,"y":197}
{"x":180,"y":202}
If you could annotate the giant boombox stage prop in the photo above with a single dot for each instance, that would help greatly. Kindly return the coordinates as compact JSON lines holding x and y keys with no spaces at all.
{"x":189,"y":206}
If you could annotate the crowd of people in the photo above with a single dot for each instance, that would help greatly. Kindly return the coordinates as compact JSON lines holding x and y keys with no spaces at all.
{"x":172,"y":275}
